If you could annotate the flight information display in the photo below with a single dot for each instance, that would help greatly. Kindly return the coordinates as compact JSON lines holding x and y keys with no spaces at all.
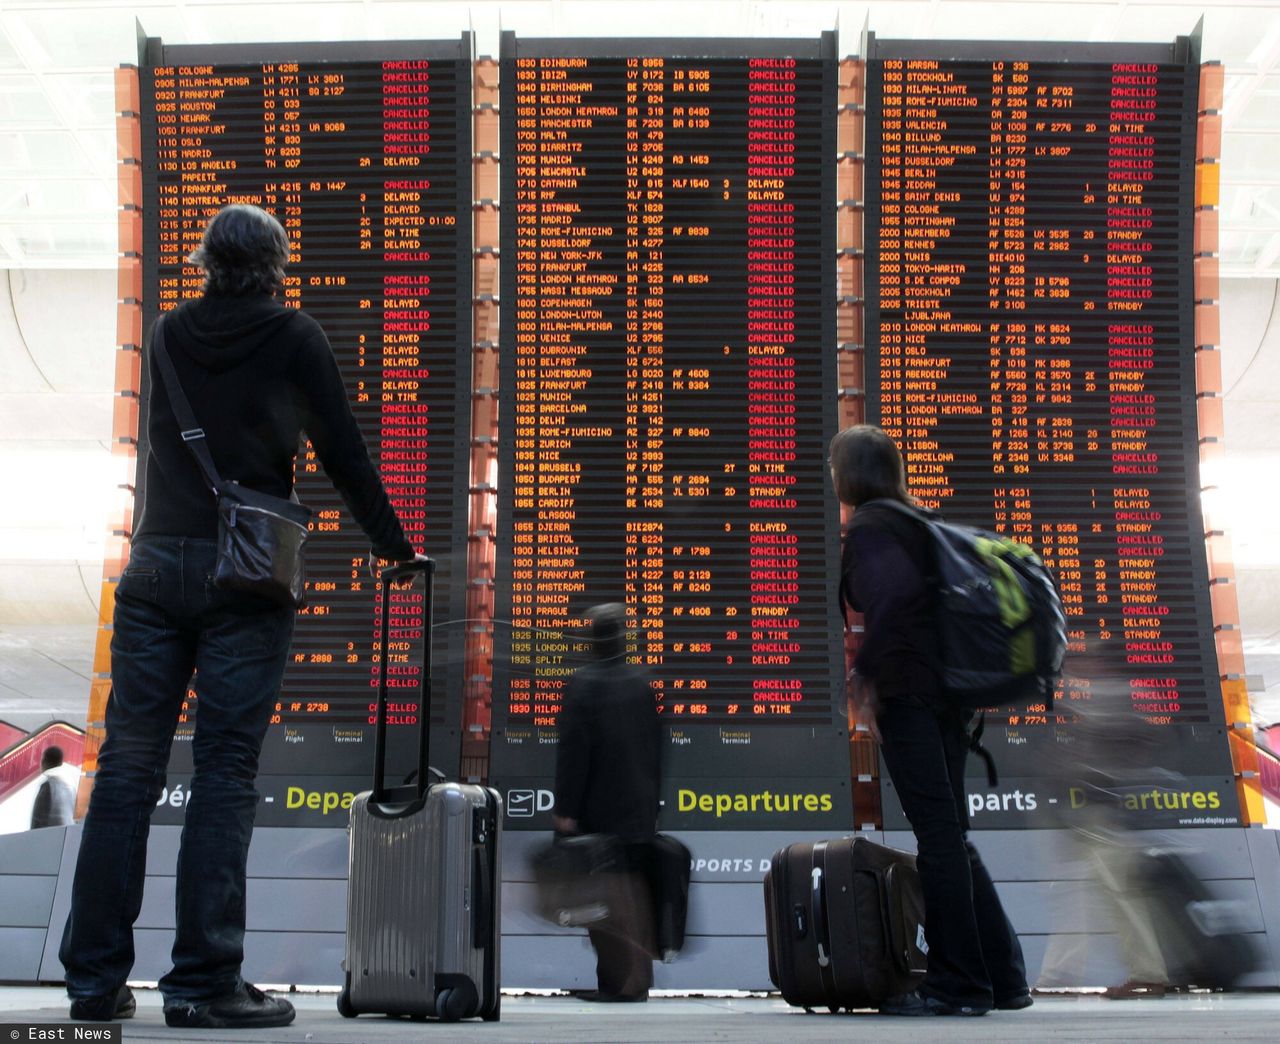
{"x":1030,"y":346}
{"x":363,"y":154}
{"x":667,"y":392}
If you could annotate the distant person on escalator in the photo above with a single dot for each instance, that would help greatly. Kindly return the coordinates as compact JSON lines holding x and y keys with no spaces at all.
{"x":257,"y":375}
{"x":55,"y":803}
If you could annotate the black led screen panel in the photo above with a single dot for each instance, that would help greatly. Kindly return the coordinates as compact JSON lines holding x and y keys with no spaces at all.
{"x":363,"y":152}
{"x":668,"y":387}
{"x":1030,"y":344}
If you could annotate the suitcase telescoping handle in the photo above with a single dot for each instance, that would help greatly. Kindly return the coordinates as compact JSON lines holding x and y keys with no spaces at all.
{"x":390,"y":577}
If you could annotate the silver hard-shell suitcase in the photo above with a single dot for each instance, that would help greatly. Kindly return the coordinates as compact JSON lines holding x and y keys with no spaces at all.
{"x":422,"y":891}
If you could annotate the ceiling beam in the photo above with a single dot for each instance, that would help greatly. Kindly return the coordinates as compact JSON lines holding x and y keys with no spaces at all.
{"x":1264,"y":58}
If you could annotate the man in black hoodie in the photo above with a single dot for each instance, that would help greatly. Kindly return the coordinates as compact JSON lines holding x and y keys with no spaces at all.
{"x":257,"y":375}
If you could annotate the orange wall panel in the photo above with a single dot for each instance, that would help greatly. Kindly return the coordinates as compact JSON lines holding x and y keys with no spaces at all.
{"x":1205,"y":278}
{"x":1208,"y":325}
{"x":1212,"y":79}
{"x":1205,"y":238}
{"x":126,"y":88}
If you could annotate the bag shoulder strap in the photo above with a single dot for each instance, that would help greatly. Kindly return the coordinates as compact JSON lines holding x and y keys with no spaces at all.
{"x":192,"y":434}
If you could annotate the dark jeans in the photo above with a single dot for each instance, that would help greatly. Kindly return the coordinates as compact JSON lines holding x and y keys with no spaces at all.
{"x":170,"y":621}
{"x":974,"y":953}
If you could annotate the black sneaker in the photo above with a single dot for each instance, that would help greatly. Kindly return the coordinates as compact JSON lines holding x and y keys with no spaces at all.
{"x":247,"y":1008}
{"x":600,"y":997}
{"x":1015,"y":1003}
{"x":917,"y":1003}
{"x":105,"y":1007}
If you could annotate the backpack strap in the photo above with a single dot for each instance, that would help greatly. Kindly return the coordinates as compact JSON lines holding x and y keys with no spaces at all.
{"x":976,"y":747}
{"x":192,"y":434}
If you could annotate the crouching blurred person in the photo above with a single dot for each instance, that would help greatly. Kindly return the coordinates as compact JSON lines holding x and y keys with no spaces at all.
{"x":608,"y":773}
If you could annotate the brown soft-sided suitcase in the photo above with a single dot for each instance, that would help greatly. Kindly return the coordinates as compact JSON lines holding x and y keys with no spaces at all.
{"x":844,"y":921}
{"x":423,"y":885}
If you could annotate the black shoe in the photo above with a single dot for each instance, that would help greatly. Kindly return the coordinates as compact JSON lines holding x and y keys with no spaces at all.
{"x":1015,"y":1003}
{"x":105,"y":1007}
{"x":247,"y":1008}
{"x":599,"y":997}
{"x":917,"y":1003}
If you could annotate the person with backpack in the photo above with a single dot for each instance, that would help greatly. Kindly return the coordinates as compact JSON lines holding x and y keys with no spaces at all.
{"x":975,"y":961}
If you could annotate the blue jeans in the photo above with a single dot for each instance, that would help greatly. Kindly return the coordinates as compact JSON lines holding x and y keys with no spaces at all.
{"x":974,"y":954}
{"x":170,"y":621}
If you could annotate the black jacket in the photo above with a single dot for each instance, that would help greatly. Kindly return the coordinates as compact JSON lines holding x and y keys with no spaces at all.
{"x":884,"y":573}
{"x":608,"y":763}
{"x":257,"y":374}
{"x":55,"y":804}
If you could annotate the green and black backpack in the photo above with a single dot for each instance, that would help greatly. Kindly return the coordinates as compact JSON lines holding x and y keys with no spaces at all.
{"x":1002,"y":633}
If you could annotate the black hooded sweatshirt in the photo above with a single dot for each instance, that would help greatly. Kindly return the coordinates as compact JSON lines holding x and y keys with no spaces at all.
{"x":256,"y":374}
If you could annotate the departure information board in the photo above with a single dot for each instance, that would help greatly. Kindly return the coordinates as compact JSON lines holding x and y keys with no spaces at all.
{"x":1030,"y":346}
{"x":667,"y":393}
{"x":363,"y":153}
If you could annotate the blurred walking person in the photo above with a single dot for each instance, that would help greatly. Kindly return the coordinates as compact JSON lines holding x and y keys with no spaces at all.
{"x":608,"y":775}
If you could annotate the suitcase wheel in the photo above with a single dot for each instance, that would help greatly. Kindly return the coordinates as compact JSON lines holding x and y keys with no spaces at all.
{"x":456,"y":998}
{"x":344,"y":1003}
{"x":451,"y":1005}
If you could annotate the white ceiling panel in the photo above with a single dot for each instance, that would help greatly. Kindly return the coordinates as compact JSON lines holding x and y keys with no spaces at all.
{"x":9,"y":58}
{"x":1033,"y":21}
{"x":34,"y":199}
{"x":1260,"y":113}
{"x":85,"y":98}
{"x":80,"y":238}
{"x":74,"y":36}
{"x":23,"y":102}
{"x":241,"y":23}
{"x":42,"y":152}
{"x":1249,"y":151}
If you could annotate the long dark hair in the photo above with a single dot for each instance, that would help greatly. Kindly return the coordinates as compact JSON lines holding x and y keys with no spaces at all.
{"x":866,"y":465}
{"x":244,"y":251}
